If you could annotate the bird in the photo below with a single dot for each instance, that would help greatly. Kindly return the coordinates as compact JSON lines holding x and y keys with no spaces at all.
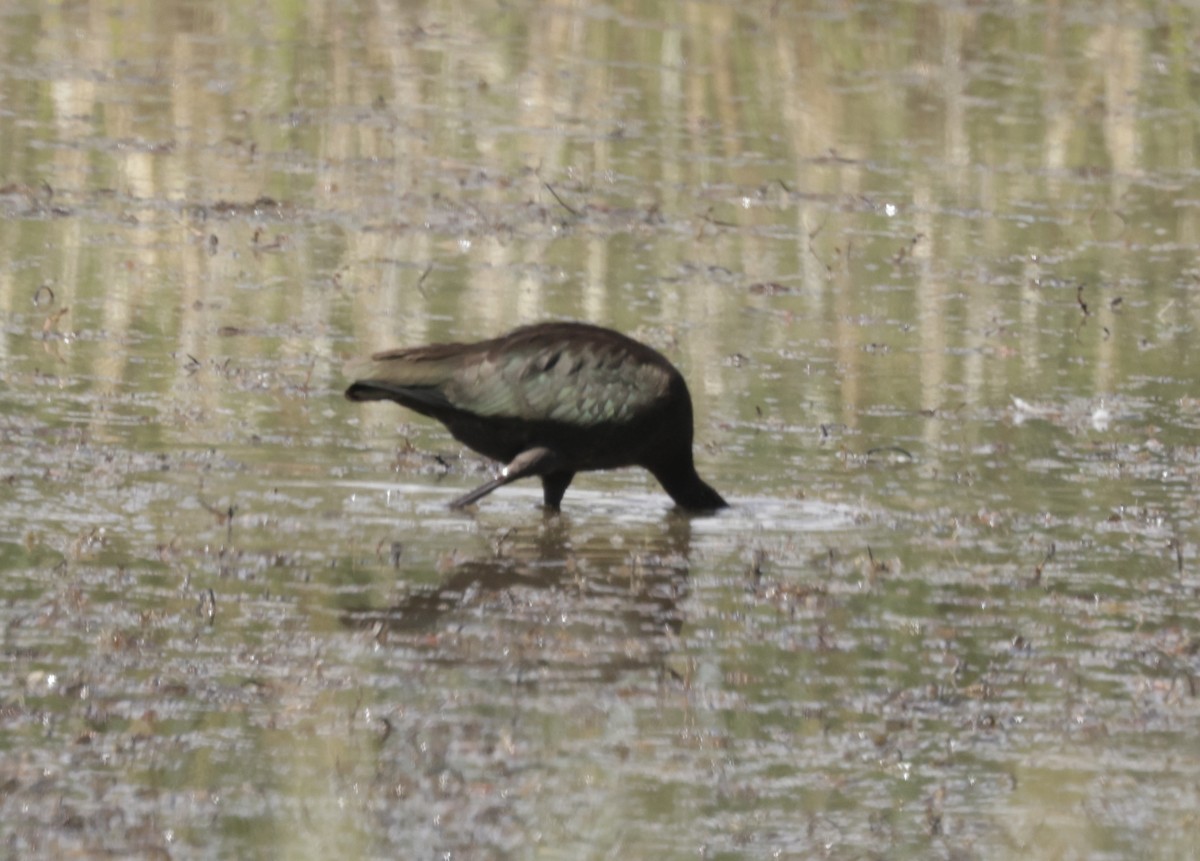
{"x":550,"y":400}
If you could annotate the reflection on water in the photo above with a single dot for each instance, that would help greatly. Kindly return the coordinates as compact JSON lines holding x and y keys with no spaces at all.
{"x":928,"y":270}
{"x":609,"y":595}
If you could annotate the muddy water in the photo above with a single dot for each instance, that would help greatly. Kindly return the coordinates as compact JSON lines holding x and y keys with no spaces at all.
{"x":930,"y":273}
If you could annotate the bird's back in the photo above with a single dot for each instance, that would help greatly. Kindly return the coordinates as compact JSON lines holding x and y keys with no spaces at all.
{"x":571,"y":374}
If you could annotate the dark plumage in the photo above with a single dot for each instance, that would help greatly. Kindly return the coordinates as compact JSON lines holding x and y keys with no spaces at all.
{"x":551,"y":400}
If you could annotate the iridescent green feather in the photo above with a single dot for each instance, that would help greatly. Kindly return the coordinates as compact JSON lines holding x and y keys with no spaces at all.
{"x":580,"y":384}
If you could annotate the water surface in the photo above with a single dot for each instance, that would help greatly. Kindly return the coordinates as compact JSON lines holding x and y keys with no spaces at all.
{"x":929,"y":271}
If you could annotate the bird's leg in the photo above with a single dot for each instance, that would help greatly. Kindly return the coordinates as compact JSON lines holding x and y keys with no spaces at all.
{"x":533,"y":461}
{"x":554,"y":485}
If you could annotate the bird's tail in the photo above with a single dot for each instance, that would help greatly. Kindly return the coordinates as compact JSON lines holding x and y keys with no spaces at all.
{"x":401,"y":375}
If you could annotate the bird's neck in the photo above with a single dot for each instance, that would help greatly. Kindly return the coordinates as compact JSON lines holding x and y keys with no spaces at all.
{"x":688,"y":489}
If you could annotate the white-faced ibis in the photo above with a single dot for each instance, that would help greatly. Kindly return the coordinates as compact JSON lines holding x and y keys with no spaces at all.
{"x":551,"y":400}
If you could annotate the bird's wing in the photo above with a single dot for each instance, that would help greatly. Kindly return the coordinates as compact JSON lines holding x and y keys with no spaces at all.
{"x":577,"y":383}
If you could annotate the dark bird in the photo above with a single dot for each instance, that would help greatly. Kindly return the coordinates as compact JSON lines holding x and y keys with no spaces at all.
{"x":551,"y":400}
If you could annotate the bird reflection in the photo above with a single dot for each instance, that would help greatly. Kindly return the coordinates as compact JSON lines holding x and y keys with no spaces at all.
{"x":547,"y":596}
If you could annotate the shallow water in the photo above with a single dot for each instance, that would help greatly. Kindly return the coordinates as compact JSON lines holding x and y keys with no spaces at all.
{"x":930,"y":274}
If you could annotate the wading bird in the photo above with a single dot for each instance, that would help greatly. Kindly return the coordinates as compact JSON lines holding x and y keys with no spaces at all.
{"x":551,"y":400}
